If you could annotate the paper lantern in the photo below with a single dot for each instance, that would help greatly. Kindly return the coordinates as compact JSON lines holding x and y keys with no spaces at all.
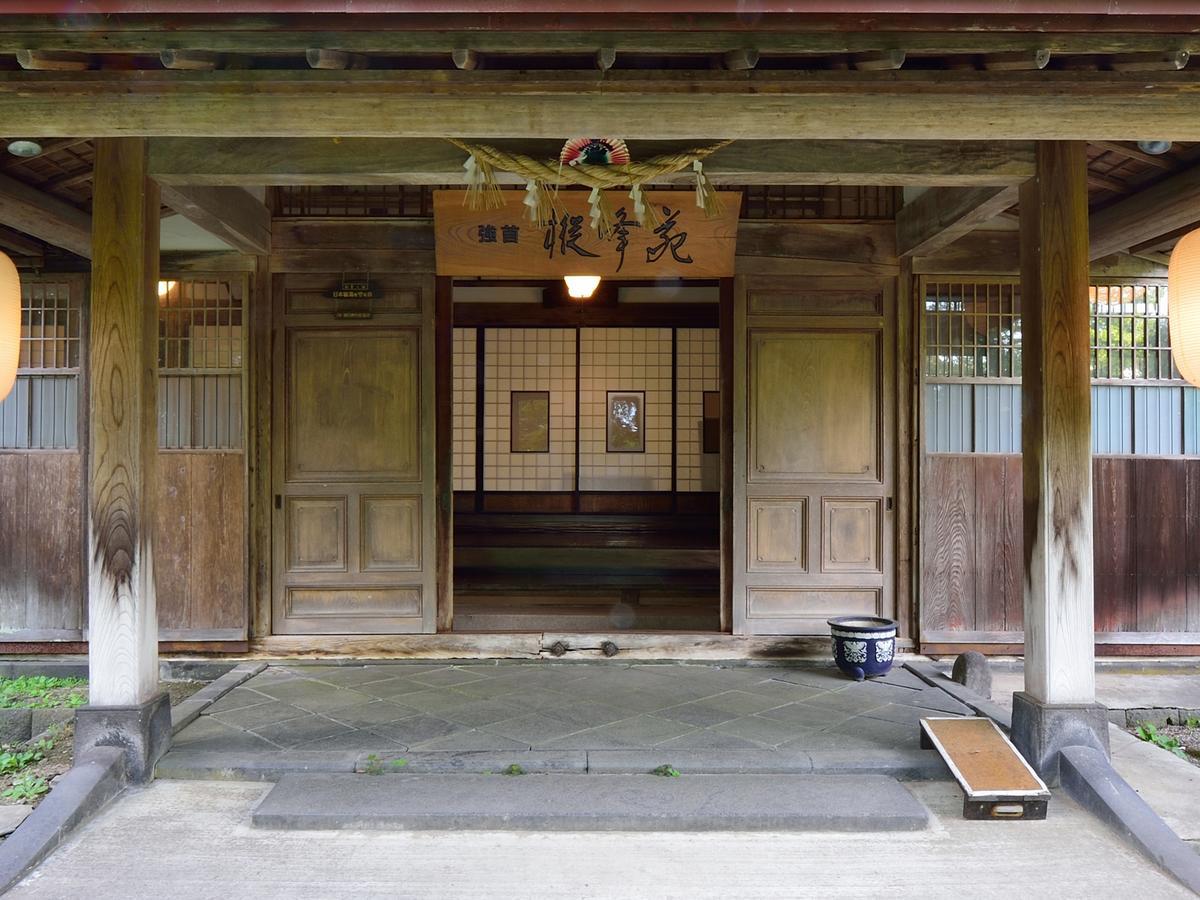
{"x":10,"y":324}
{"x":1183,"y":303}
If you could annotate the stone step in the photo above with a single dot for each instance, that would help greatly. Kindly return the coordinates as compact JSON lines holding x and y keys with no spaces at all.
{"x":593,"y":803}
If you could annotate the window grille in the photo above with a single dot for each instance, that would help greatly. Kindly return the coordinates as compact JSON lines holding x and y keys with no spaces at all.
{"x":972,"y":370}
{"x":42,"y":412}
{"x":200,"y":328}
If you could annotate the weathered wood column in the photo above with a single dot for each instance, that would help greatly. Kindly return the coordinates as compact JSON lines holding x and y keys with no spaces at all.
{"x":126,"y":708}
{"x":1057,"y":708}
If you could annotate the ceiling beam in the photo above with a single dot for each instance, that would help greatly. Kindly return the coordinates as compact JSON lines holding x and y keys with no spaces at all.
{"x":44,"y":217}
{"x":1160,"y":209}
{"x":229,"y":213}
{"x":16,"y":242}
{"x":670,"y":105}
{"x":381,"y":35}
{"x":941,"y":216}
{"x":257,"y":161}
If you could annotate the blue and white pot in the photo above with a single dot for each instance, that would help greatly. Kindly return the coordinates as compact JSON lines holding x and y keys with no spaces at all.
{"x":863,"y":646}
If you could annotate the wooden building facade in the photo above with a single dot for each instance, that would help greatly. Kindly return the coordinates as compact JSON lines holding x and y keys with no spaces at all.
{"x":831,"y":426}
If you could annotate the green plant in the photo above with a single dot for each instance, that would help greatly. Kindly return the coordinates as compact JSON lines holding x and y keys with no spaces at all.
{"x":1192,"y":722}
{"x":26,"y":787}
{"x":14,"y":761}
{"x":666,"y":771}
{"x":1149,"y":733}
{"x":374,"y":765}
{"x":514,"y":769}
{"x":41,"y":692}
{"x":399,"y":763}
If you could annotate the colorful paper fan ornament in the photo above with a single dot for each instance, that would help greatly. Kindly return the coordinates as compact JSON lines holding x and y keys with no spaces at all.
{"x":594,"y":152}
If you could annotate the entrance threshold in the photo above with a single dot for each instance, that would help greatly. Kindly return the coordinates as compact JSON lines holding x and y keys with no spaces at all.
{"x":684,"y":646}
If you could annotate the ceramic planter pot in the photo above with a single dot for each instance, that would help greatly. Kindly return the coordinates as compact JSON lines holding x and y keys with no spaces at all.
{"x":863,"y":646}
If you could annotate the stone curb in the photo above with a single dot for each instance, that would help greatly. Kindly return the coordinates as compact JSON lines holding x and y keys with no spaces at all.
{"x":1090,"y":779}
{"x":78,"y":795}
{"x":200,"y":765}
{"x":189,"y":710}
{"x":934,"y":677}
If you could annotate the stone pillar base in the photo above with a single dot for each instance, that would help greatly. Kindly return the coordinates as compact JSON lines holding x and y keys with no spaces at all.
{"x":1041,"y":730}
{"x":143,"y":732}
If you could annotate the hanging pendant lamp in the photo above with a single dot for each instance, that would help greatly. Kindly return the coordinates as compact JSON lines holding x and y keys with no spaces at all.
{"x":10,"y":324}
{"x":1183,"y":304}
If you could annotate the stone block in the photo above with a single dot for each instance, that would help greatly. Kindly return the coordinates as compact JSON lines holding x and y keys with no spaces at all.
{"x":972,"y":671}
{"x":43,"y":719}
{"x":1041,"y":731}
{"x":14,"y":725}
{"x":1156,"y":716}
{"x":143,"y":732}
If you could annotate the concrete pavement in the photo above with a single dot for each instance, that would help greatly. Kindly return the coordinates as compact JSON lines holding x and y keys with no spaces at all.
{"x":194,"y":840}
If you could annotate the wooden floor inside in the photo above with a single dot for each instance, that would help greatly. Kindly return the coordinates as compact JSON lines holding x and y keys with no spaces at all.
{"x":528,"y":573}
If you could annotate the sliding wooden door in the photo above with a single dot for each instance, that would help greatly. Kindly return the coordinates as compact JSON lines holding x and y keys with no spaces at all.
{"x":354,"y":530}
{"x":813,"y":436}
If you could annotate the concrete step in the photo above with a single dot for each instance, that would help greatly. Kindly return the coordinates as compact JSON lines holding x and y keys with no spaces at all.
{"x":592,"y":803}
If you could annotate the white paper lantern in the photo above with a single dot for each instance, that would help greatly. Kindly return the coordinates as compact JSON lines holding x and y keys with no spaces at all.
{"x":1183,"y":303}
{"x":10,"y":324}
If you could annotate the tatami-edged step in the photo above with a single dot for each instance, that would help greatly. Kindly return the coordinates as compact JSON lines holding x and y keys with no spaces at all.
{"x":591,"y":803}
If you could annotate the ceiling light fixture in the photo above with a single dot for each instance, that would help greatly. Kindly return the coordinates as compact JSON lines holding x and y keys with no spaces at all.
{"x":24,"y":148}
{"x":1154,"y":148}
{"x":581,"y":287}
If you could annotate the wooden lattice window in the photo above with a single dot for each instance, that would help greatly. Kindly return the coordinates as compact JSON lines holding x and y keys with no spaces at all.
{"x":42,"y":412}
{"x":200,"y":346}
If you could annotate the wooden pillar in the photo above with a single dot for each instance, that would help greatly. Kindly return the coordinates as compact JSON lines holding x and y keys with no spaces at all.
{"x":1058,"y":707}
{"x":122,"y":620}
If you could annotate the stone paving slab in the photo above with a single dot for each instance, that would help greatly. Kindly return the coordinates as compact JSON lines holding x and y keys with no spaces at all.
{"x":602,"y":803}
{"x":547,"y":706}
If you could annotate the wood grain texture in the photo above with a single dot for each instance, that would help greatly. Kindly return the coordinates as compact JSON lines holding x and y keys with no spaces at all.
{"x":229,"y":213}
{"x":948,"y":558}
{"x":444,"y":457}
{"x":906,"y":105}
{"x":40,"y":543}
{"x":283,"y":160}
{"x":122,"y":616}
{"x":42,"y":216}
{"x":940,"y":216}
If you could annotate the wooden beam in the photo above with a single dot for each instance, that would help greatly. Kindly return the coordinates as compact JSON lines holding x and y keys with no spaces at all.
{"x":247,"y":161}
{"x":19,"y":243}
{"x":122,"y":618}
{"x":998,"y":253}
{"x":230,"y":213}
{"x":941,"y":216}
{"x":190,"y":60}
{"x":1146,"y":62}
{"x":1160,"y":209}
{"x":1056,"y":429}
{"x":879,"y":60}
{"x":53,"y":60}
{"x":467,"y":60}
{"x":335,"y":59}
{"x":606,"y":58}
{"x":741,"y":60}
{"x":905,"y":105}
{"x":704,"y":35}
{"x":1017,"y":60}
{"x":44,"y":217}
{"x":1159,"y":162}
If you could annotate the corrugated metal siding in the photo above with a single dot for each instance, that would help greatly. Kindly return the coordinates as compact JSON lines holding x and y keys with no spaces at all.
{"x":1112,"y":428}
{"x":948,"y":418}
{"x":1157,"y":421}
{"x":997,"y":418}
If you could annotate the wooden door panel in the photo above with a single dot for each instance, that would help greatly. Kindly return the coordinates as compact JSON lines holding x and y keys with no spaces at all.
{"x":823,"y":386}
{"x":811,"y":522}
{"x":778,"y":535}
{"x":354,"y":407}
{"x":354,"y":468}
{"x":316,"y":534}
{"x":851,"y":535}
{"x":390,"y":533}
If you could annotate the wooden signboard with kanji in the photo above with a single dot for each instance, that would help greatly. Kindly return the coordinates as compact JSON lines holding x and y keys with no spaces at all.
{"x":504,"y":243}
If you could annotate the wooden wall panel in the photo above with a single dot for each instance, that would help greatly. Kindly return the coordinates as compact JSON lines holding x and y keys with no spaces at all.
{"x":1146,"y":521}
{"x":948,"y":560}
{"x":200,"y":541}
{"x":41,"y":547}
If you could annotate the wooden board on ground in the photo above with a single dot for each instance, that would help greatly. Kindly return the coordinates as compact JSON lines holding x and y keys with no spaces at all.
{"x":996,"y":780}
